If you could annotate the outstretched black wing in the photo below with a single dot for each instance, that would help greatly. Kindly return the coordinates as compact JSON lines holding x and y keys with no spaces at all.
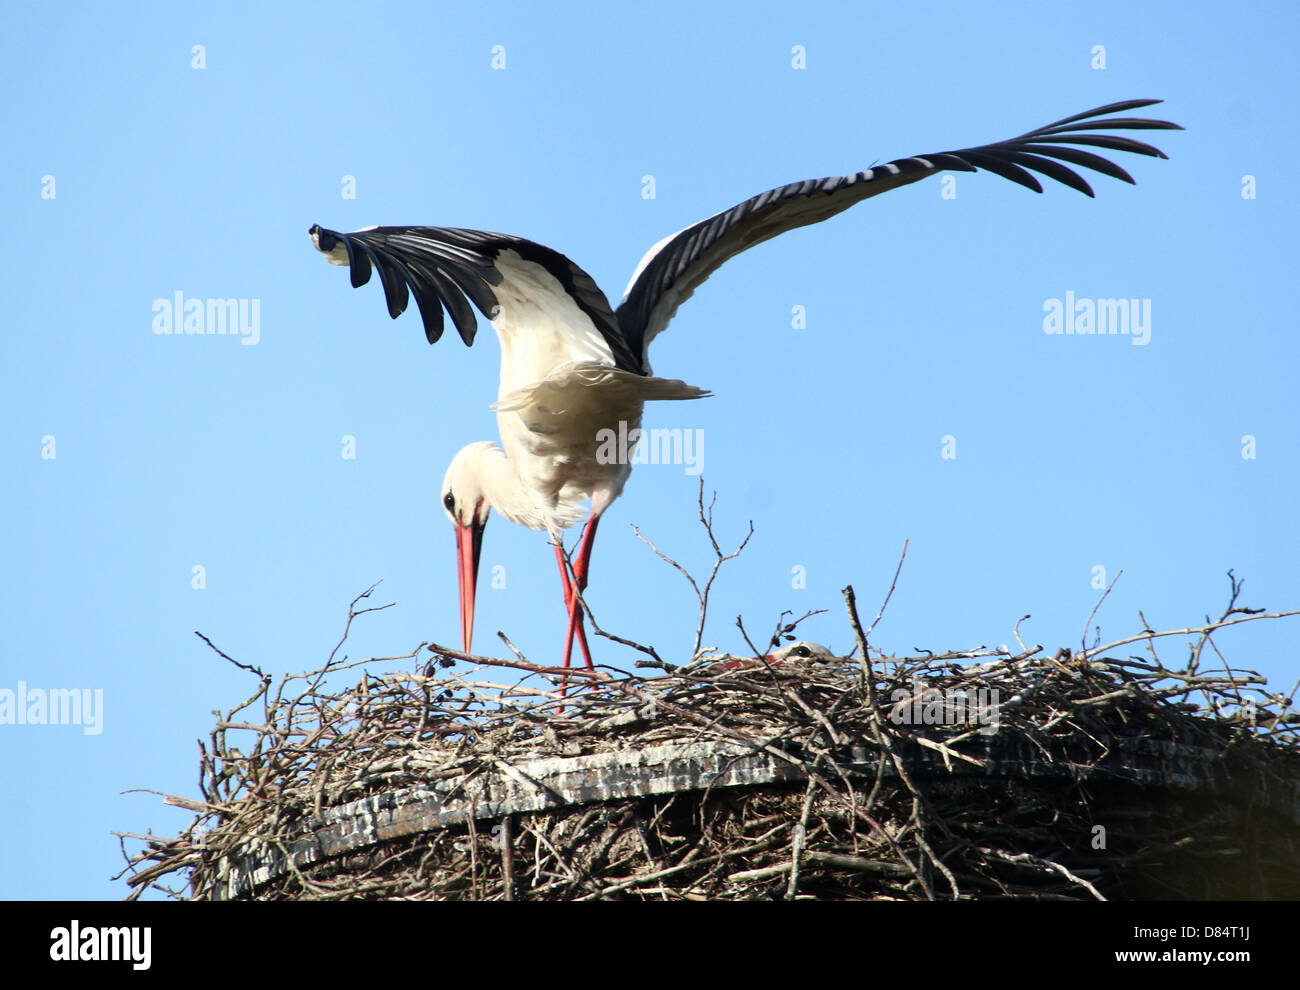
{"x":675,"y":267}
{"x":448,"y":268}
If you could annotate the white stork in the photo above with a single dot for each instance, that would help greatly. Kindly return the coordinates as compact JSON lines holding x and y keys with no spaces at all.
{"x":572,"y":365}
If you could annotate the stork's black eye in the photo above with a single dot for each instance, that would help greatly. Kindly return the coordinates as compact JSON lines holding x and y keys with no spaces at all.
{"x":801,"y":651}
{"x":449,"y":503}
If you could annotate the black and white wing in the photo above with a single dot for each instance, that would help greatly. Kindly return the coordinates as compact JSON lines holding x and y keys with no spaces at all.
{"x":676,"y":266}
{"x":521,"y":286}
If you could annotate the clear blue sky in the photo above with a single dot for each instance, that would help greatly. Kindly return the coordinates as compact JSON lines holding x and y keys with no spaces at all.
{"x":924,"y":320}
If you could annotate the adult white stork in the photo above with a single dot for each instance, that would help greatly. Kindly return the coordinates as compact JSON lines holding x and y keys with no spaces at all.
{"x":572,"y":366}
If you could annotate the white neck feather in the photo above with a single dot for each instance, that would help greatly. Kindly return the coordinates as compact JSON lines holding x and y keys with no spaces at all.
{"x":505,"y":491}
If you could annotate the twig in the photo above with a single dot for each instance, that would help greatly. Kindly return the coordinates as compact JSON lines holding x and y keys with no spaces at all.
{"x":1083,"y":640}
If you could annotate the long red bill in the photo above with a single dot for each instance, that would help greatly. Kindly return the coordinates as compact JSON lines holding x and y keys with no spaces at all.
{"x":469,"y":544}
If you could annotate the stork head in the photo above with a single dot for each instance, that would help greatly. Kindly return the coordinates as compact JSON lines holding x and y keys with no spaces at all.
{"x":467,"y":506}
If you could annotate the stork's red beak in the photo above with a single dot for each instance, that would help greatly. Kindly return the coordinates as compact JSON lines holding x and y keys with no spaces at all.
{"x":469,"y":544}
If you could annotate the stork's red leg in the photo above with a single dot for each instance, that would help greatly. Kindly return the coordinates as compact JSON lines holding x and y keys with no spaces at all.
{"x":583,"y":563}
{"x":569,"y":611}
{"x":580,"y":567}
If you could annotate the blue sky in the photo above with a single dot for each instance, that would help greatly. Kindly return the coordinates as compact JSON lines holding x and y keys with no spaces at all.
{"x":924,"y":320}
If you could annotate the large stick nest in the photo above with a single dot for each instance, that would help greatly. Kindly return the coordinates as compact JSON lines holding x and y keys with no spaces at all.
{"x":1074,"y":776}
